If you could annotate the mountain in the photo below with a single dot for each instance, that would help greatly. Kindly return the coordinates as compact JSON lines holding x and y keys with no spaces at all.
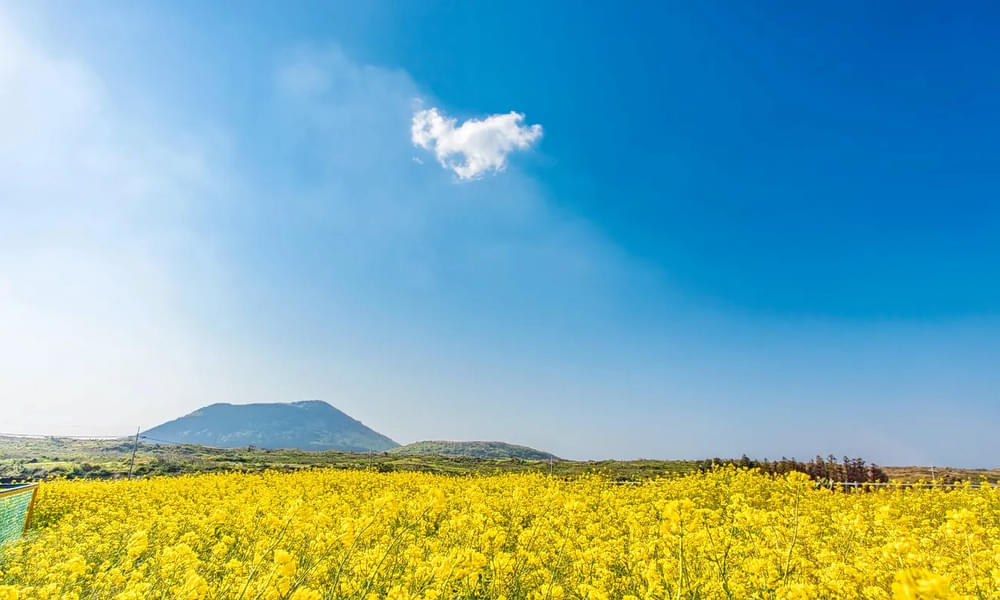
{"x":308,"y":425}
{"x":475,"y":449}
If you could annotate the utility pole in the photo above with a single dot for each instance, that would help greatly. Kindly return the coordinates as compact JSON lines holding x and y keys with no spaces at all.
{"x":135,"y":447}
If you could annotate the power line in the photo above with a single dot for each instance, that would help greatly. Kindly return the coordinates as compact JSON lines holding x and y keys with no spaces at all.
{"x":135,"y":447}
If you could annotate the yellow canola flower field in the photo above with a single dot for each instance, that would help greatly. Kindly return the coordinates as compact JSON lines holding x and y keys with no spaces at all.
{"x":728,"y":534}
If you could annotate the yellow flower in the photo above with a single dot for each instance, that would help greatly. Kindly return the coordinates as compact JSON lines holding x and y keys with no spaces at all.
{"x":920,"y":584}
{"x":194,"y":587}
{"x":137,"y":544}
{"x":305,"y":593}
{"x":75,"y":566}
{"x":410,"y":536}
{"x":284,"y":563}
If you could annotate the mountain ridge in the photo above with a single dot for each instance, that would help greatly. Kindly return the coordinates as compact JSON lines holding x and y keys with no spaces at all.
{"x":303,"y":424}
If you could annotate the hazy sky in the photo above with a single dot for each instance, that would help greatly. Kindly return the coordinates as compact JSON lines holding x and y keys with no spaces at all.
{"x":668,"y":230}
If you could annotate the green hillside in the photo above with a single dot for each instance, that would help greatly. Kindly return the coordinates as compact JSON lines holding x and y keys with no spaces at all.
{"x":24,"y":458}
{"x":33,"y":458}
{"x":474,"y":449}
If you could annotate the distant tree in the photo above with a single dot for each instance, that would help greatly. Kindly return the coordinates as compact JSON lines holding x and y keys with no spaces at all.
{"x":827,"y":470}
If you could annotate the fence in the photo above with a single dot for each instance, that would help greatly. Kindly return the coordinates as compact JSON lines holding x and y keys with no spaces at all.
{"x":16,"y":503}
{"x":931,"y":484}
{"x":859,"y":485}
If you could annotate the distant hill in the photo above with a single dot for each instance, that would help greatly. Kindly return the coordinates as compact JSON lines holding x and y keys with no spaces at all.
{"x":307,"y":425}
{"x":474,"y":449}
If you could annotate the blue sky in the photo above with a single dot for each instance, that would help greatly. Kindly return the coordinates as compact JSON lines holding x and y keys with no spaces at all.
{"x":769,"y":230}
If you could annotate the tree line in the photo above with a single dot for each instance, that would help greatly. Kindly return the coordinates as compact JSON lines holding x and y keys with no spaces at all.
{"x":820,"y":469}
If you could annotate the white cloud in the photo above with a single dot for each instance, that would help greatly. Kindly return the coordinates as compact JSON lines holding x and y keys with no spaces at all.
{"x":476,"y":146}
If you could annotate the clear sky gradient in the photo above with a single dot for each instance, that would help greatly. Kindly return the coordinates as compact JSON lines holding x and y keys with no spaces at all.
{"x":762,"y":229}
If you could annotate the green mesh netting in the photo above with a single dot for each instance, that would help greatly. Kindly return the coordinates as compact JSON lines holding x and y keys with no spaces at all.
{"x":15,"y":500}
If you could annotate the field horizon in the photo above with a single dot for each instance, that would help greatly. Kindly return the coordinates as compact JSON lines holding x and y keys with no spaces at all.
{"x":24,"y":457}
